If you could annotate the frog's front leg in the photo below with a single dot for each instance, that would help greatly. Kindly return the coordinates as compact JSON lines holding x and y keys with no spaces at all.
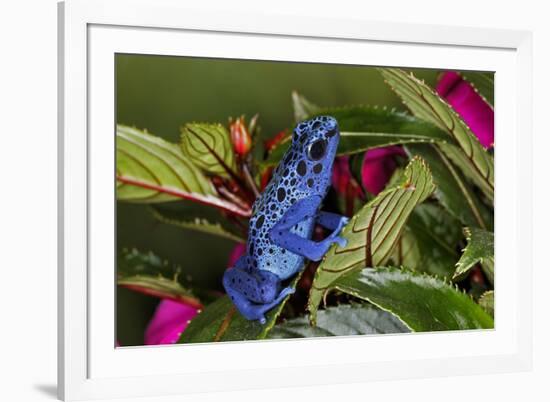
{"x":253,"y":292}
{"x":332,"y":221}
{"x":304,"y":209}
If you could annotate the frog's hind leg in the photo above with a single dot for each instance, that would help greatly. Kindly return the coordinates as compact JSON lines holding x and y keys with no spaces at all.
{"x":253,"y":292}
{"x":259,"y":287}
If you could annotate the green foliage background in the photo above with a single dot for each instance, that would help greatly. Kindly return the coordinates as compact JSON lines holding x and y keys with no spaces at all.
{"x":162,"y":93}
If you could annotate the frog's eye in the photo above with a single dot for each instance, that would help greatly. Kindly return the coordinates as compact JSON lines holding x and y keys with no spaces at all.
{"x":317,"y":150}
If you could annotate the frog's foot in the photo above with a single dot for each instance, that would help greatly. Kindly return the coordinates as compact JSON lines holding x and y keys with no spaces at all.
{"x":284,"y":293}
{"x":338,"y":229}
{"x":322,"y":247}
{"x":262,"y":309}
{"x":332,"y":221}
{"x":253,"y":292}
{"x":334,"y":238}
{"x":343,"y":222}
{"x":254,"y":311}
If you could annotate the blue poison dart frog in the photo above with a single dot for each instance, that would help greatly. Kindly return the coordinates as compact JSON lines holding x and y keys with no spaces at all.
{"x":283,"y":219}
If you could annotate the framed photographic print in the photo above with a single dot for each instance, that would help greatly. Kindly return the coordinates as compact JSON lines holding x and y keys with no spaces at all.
{"x":254,"y":196}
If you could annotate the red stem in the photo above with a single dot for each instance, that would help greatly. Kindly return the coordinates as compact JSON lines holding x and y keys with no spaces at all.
{"x":202,"y":199}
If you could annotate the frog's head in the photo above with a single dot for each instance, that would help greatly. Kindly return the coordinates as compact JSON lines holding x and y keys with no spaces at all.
{"x":317,"y":139}
{"x":314,"y":144}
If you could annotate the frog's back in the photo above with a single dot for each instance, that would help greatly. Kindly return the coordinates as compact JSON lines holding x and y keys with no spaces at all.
{"x":297,"y":177}
{"x":269,"y":209}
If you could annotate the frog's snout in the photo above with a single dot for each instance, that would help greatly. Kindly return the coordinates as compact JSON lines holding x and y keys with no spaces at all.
{"x":331,"y":123}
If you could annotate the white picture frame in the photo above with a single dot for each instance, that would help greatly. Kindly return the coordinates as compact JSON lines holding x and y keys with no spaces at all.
{"x":91,"y":32}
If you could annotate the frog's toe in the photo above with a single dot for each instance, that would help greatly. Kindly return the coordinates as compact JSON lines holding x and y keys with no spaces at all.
{"x":342,"y":242}
{"x":286,"y":291}
{"x":343,"y":222}
{"x":262,"y":320}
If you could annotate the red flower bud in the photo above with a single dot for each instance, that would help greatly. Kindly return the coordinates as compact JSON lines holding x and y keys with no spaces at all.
{"x":240,"y":137}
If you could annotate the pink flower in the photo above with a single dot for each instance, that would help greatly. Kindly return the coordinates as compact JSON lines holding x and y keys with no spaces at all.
{"x":473,"y":109}
{"x":344,"y":183}
{"x":169,"y":321}
{"x":172,"y":317}
{"x":378,"y":167}
{"x":341,"y":177}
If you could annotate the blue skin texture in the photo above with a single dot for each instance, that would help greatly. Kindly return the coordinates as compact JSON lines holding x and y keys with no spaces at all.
{"x":283,"y":220}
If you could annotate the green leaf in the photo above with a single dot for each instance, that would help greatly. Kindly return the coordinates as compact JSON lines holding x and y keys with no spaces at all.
{"x":200,"y":222}
{"x":302,"y":107}
{"x":453,"y":191}
{"x":429,"y":242}
{"x":150,"y":169}
{"x":373,"y":232}
{"x":209,"y":147}
{"x":476,"y":162}
{"x":149,"y":274}
{"x":483,"y":83}
{"x":422,"y":302}
{"x":364,"y":127}
{"x":463,"y":162}
{"x":488,"y":268}
{"x":220,"y":321}
{"x":396,"y":177}
{"x":354,"y":319}
{"x":487,"y":302}
{"x":480,"y":249}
